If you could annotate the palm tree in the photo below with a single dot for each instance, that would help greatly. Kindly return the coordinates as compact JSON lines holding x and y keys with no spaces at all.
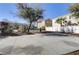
{"x":74,"y":9}
{"x":60,"y":21}
{"x":28,"y":13}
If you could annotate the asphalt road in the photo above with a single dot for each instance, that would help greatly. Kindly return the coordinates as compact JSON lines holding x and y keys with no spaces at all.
{"x":39,"y":44}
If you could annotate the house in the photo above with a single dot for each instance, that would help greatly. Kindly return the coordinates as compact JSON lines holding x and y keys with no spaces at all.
{"x":53,"y":26}
{"x":7,"y":25}
{"x":40,"y":23}
{"x":70,"y":24}
{"x":48,"y":24}
{"x":71,"y":27}
{"x":3,"y":26}
{"x":69,"y":17}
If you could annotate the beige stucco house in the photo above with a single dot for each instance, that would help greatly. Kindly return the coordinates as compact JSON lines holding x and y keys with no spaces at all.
{"x":53,"y":26}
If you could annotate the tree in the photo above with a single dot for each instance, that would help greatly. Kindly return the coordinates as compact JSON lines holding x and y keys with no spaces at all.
{"x":69,"y":23}
{"x":60,"y":21}
{"x":28,"y":13}
{"x":4,"y":25}
{"x":74,"y":9}
{"x":16,"y":26}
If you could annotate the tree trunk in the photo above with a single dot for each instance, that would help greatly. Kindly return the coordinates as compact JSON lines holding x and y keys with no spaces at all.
{"x":2,"y":31}
{"x":29,"y":27}
{"x":40,"y":30}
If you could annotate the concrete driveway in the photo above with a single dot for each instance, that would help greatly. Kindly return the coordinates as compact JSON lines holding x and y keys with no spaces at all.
{"x":39,"y":44}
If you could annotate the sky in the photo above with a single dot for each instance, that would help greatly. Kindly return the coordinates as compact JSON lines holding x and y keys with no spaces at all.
{"x":51,"y":10}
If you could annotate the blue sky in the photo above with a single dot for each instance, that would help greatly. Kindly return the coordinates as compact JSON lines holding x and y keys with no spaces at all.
{"x":51,"y":10}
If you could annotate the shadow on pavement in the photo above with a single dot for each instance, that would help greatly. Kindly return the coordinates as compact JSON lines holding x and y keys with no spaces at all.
{"x":55,"y":34}
{"x":73,"y":53}
{"x":2,"y":37}
{"x":27,"y":50}
{"x":5,"y":35}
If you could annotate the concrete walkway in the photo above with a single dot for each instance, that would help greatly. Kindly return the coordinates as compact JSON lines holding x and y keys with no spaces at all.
{"x":38,"y":44}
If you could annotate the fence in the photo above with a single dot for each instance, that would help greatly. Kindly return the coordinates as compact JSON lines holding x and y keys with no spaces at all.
{"x":71,"y":29}
{"x":67,"y":29}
